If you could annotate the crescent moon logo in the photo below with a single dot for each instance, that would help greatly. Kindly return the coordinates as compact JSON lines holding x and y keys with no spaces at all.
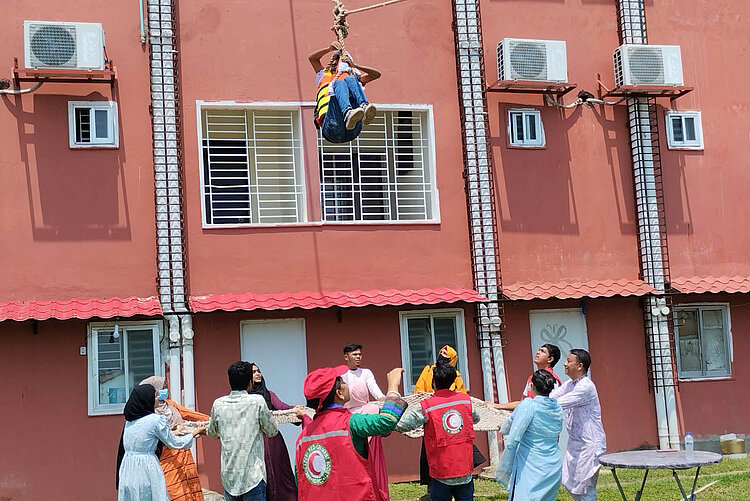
{"x":453,"y":421}
{"x":316,"y":464}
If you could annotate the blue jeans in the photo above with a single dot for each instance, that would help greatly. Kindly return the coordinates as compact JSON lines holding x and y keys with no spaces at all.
{"x":257,"y":493}
{"x":444,"y":492}
{"x":348,"y":93}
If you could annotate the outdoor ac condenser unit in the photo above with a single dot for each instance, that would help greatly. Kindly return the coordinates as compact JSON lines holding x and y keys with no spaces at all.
{"x":648,"y":65}
{"x":540,"y":60}
{"x":74,"y":46}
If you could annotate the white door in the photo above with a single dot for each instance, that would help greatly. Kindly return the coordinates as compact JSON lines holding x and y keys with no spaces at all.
{"x":279,"y":349}
{"x":566,"y":329}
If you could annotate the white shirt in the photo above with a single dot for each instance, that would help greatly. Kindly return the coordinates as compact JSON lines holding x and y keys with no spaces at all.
{"x":362,"y":385}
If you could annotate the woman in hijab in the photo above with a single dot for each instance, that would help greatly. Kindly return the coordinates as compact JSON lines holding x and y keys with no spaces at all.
{"x":280,"y":482}
{"x":180,"y":473}
{"x":446,"y":355}
{"x":140,"y":477}
{"x":531,"y":465}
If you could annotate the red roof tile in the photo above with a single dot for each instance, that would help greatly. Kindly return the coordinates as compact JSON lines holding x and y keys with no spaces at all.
{"x":576,"y":290}
{"x":711,"y":284}
{"x":80,"y":308}
{"x":323,"y":299}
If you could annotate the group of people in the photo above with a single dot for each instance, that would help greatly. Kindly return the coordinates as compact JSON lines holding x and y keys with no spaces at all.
{"x":532,"y":465}
{"x":339,"y":453}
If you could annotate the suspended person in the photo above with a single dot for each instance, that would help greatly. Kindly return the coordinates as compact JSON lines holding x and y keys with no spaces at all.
{"x":180,"y":472}
{"x":448,"y":418}
{"x":583,"y":421}
{"x":280,"y":482}
{"x":362,"y":390}
{"x":545,"y":358}
{"x":240,"y":420}
{"x":340,"y":119}
{"x":332,"y":453}
{"x":447,"y":355}
{"x":531,"y":464}
{"x":140,"y":478}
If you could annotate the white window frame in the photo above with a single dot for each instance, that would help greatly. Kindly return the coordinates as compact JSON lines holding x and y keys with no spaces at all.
{"x":526,"y":113}
{"x":113,"y":135}
{"x":685,"y":144}
{"x":430,"y":165}
{"x":728,"y":344}
{"x":274,"y":106}
{"x":95,"y":408}
{"x":463,"y":361}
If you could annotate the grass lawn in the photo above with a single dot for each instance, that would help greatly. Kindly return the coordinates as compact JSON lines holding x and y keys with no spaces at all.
{"x":732,"y":477}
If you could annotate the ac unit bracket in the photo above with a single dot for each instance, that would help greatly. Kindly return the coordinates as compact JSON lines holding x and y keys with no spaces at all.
{"x":106,"y":76}
{"x":669,"y":91}
{"x":557,"y":89}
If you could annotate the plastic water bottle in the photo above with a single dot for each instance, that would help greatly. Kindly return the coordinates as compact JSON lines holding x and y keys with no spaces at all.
{"x":689,"y":444}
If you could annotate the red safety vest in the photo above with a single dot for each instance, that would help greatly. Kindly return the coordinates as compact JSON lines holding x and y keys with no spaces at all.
{"x":448,"y":434}
{"x":329,"y":468}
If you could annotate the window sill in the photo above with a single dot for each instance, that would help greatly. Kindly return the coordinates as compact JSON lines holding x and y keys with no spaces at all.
{"x":318,"y":224}
{"x":96,"y":147}
{"x":520,"y":147}
{"x":106,"y":413}
{"x":706,"y":379}
{"x":685,"y":148}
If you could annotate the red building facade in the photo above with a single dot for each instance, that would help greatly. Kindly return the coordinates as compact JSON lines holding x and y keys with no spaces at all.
{"x":189,"y":216}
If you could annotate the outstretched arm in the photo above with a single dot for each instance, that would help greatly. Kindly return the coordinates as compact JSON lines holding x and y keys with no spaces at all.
{"x":314,"y":57}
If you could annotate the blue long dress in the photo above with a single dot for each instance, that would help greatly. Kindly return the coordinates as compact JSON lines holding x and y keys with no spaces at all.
{"x":531,"y":465}
{"x":141,"y":476}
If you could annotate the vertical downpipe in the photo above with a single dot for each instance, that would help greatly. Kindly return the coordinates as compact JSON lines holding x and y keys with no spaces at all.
{"x":165,"y":123}
{"x":480,"y":191}
{"x":175,"y":381}
{"x":632,"y":17}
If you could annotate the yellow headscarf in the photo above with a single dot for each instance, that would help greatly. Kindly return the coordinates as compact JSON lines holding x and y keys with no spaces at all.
{"x":424,"y":383}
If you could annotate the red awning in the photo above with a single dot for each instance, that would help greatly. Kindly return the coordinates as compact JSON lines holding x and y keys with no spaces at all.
{"x":80,"y":308}
{"x":323,"y":299}
{"x":699,"y":285}
{"x":577,"y":290}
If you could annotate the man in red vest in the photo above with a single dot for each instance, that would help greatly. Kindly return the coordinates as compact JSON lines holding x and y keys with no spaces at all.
{"x":448,"y":418}
{"x":332,"y":454}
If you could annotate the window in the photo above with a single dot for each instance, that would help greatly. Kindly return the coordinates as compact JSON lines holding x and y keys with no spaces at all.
{"x":251,"y":166}
{"x":703,"y":341}
{"x":423,"y":333}
{"x":119,"y":357}
{"x":684,"y":130}
{"x":93,"y":124}
{"x":386,"y":174}
{"x":525,"y":128}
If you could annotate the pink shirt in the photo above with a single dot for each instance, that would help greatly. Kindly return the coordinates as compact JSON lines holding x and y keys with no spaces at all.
{"x":362,"y":386}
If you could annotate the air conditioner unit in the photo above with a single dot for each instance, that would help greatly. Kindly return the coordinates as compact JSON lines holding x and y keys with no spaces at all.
{"x":541,"y":60}
{"x":637,"y":64}
{"x":75,"y":46}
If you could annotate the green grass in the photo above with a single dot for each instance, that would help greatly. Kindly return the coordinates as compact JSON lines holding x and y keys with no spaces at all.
{"x":732,"y":476}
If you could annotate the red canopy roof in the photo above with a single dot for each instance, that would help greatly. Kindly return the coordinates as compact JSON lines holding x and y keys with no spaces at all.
{"x":577,"y":290}
{"x":80,"y":308}
{"x":733,"y":284}
{"x":327,"y":299}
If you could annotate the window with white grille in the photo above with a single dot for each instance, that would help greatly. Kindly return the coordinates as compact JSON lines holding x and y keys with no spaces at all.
{"x":525,"y":128}
{"x":684,"y":130}
{"x":120,"y":356}
{"x":93,"y":124}
{"x":423,"y":334}
{"x":703,"y":341}
{"x":251,"y":166}
{"x":386,"y":174}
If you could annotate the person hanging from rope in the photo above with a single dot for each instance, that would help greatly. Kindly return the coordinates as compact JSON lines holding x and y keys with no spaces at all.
{"x":341,"y":119}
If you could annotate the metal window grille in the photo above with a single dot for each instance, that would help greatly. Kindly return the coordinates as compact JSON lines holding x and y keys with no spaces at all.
{"x":525,"y":128}
{"x":383,"y":175}
{"x":252,"y":168}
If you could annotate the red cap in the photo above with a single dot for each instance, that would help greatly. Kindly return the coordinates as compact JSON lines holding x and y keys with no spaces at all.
{"x":319,"y":383}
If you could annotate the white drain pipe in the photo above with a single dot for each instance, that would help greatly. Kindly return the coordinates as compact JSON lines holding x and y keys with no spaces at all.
{"x":632,"y":17}
{"x":188,"y":371}
{"x":481,"y":210}
{"x":175,"y":380}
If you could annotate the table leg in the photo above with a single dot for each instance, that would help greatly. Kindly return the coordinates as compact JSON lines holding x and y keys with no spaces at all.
{"x":643,"y":485}
{"x":695,"y":482}
{"x":617,"y":481}
{"x":679,"y":484}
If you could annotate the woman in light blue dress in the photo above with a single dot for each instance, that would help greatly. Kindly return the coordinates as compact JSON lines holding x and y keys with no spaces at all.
{"x":140,"y":475}
{"x":531,"y":465}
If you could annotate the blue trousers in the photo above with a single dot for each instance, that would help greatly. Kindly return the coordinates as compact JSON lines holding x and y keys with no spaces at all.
{"x":445,"y":492}
{"x":348,"y":92}
{"x":257,"y":493}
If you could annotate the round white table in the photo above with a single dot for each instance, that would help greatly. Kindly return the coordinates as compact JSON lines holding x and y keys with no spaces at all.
{"x":654,"y":460}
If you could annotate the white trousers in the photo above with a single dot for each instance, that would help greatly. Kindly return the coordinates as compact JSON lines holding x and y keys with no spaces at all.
{"x":589,"y":496}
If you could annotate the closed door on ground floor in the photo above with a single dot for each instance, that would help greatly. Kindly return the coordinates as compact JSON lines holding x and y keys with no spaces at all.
{"x":279,"y":349}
